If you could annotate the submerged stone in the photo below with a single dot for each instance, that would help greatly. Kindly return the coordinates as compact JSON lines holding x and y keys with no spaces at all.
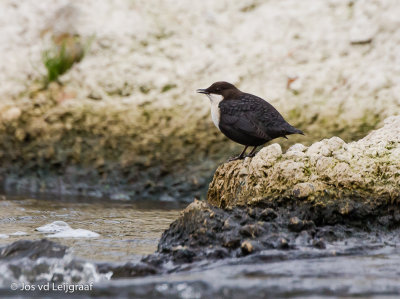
{"x":32,"y":250}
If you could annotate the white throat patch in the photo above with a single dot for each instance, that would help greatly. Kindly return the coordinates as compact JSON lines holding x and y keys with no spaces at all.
{"x":215,"y":99}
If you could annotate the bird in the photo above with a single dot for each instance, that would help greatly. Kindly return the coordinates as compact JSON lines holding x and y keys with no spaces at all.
{"x":245,"y":118}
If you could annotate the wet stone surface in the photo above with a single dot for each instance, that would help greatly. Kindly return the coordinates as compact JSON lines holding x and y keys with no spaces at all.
{"x":41,"y":261}
{"x":278,"y":231}
{"x":279,"y":249}
{"x":32,"y":250}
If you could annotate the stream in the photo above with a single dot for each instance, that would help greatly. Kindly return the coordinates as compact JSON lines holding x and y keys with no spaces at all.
{"x":129,"y":230}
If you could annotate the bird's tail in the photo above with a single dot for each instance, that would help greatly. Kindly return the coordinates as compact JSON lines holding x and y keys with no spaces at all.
{"x":299,"y":131}
{"x":293,"y":130}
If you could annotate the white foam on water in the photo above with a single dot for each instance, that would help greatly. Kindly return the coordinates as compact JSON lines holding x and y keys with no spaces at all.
{"x":19,"y":233}
{"x":61,"y":229}
{"x":54,"y":227}
{"x":75,"y":233}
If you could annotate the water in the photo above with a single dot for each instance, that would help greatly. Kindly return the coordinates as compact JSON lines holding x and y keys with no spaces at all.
{"x":374,"y":275}
{"x":127,"y":230}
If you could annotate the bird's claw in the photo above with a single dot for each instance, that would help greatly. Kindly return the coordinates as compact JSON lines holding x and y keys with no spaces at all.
{"x":240,"y":157}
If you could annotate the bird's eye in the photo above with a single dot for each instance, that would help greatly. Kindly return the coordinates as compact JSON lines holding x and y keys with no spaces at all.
{"x":218,"y":89}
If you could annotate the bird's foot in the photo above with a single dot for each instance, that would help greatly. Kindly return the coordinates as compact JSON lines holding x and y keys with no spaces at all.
{"x":240,"y":157}
{"x":250,"y":155}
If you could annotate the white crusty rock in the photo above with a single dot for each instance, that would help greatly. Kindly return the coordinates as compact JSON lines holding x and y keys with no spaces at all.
{"x":369,"y":168}
{"x":145,"y":59}
{"x":140,"y":49}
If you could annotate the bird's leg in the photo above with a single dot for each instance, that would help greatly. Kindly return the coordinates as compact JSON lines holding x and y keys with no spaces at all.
{"x":252,"y":153}
{"x":241,"y":156}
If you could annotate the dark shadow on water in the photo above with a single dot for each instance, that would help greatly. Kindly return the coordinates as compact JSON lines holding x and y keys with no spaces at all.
{"x":140,"y":204}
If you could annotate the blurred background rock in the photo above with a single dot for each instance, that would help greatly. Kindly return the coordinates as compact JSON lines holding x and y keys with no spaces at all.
{"x":98,"y":97}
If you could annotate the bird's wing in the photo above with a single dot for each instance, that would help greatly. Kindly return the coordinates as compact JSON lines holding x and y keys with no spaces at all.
{"x":253,"y":116}
{"x":243,"y":124}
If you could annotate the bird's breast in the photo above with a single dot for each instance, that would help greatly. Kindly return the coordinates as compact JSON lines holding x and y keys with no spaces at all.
{"x":215,"y":111}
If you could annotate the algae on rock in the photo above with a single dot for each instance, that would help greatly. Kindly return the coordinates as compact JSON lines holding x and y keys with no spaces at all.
{"x":315,"y":75}
{"x":144,"y":149}
{"x":130,"y":103}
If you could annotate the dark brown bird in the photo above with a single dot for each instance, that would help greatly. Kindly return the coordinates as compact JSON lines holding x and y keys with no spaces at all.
{"x":245,"y":118}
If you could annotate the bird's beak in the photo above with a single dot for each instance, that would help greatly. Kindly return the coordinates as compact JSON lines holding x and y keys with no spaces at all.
{"x":202,"y":91}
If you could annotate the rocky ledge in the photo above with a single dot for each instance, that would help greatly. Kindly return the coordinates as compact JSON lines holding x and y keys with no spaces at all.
{"x":326,"y":172}
{"x":126,"y":123}
{"x":329,"y":199}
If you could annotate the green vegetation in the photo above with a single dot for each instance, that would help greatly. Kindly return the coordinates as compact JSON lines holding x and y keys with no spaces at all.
{"x":57,"y":62}
{"x":63,"y":54}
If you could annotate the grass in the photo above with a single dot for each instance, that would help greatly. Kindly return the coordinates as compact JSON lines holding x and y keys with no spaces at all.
{"x":57,"y":62}
{"x":62,"y":56}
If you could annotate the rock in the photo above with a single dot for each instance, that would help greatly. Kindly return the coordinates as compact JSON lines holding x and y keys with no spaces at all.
{"x":302,"y":190}
{"x":331,"y":169}
{"x":297,"y":225}
{"x":269,"y":153}
{"x":98,"y":121}
{"x":268,"y":214}
{"x":292,"y":202}
{"x":246,"y":247}
{"x":128,"y":269}
{"x":320,"y":244}
{"x":282,"y":243}
{"x":206,"y":232}
{"x":182,"y":255}
{"x":11,"y":114}
{"x":362,"y":30}
{"x":32,"y":250}
{"x":249,"y":230}
{"x":296,"y":152}
{"x":42,"y":261}
{"x":279,"y":229}
{"x":298,"y":147}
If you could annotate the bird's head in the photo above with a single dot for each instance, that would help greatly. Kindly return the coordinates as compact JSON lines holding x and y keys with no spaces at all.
{"x":221,"y":88}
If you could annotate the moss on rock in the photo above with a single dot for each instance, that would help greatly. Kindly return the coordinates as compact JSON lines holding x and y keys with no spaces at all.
{"x":146,"y":148}
{"x":128,"y":112}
